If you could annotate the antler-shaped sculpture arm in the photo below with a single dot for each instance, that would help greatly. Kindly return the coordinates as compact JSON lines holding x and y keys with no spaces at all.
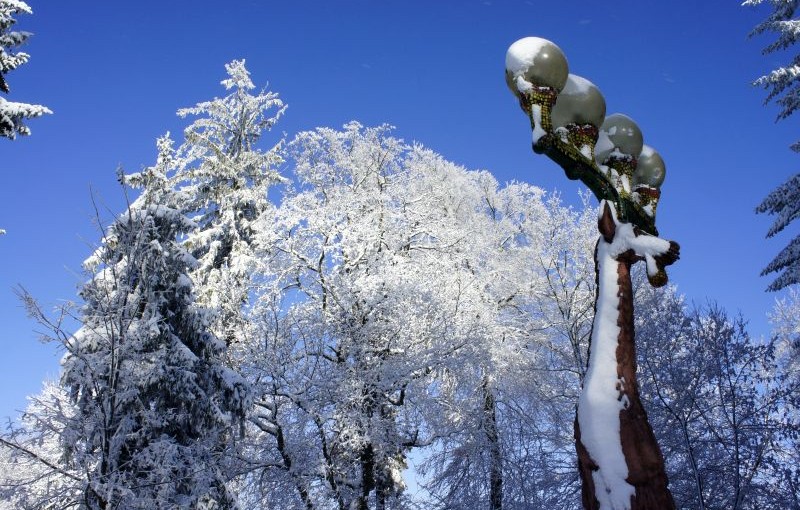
{"x":627,"y":241}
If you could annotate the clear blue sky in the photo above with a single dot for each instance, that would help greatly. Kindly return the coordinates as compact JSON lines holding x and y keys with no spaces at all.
{"x":115,"y":72}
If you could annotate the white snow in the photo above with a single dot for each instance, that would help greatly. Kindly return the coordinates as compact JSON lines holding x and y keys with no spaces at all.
{"x":577,"y":85}
{"x":604,"y":143}
{"x":13,"y":109}
{"x":647,"y":151}
{"x":183,"y":282}
{"x":521,"y":54}
{"x":19,"y":6}
{"x":625,"y":183}
{"x":523,"y":85}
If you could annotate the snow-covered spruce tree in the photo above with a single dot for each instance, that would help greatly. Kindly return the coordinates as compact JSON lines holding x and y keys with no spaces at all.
{"x":784,"y":202}
{"x":783,"y":86}
{"x":13,"y":114}
{"x":156,"y":407}
{"x":221,"y":179}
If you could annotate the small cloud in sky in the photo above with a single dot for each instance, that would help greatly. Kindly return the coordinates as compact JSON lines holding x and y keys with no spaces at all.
{"x":584,"y":22}
{"x":365,"y":65}
{"x":668,"y":78}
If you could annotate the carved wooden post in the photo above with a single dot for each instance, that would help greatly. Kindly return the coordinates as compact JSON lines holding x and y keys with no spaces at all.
{"x":634,"y":469}
{"x":619,"y":461}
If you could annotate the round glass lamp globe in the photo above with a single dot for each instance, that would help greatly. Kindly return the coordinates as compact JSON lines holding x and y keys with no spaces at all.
{"x":538,"y":61}
{"x":580,"y":102}
{"x":650,"y":168}
{"x":623,"y":133}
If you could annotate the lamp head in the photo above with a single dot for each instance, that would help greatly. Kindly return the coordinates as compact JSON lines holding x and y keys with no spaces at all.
{"x":535,"y":62}
{"x":623,"y":134}
{"x":650,"y":169}
{"x":579,"y":102}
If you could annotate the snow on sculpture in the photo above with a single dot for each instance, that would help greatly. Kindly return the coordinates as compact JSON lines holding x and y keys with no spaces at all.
{"x":620,"y":463}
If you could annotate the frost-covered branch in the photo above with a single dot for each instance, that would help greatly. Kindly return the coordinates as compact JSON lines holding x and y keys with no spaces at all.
{"x":12,"y":114}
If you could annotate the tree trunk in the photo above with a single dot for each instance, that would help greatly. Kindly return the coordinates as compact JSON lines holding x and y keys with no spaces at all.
{"x":493,"y":438}
{"x":287,"y":464}
{"x":367,"y":461}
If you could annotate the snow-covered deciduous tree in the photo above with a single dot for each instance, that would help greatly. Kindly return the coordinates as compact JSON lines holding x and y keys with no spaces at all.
{"x":566,"y":304}
{"x":12,"y":115}
{"x":506,"y":417}
{"x":155,"y":407}
{"x":783,"y":86}
{"x":785,"y":319}
{"x":35,"y":470}
{"x":365,"y":323}
{"x":221,"y":179}
{"x":408,"y":305}
{"x":376,"y":295}
{"x":715,"y":397}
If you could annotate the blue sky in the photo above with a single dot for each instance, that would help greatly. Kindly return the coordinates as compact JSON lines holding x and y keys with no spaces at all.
{"x":115,"y":72}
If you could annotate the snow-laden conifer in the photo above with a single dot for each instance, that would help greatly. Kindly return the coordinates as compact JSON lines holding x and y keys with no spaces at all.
{"x":783,"y":86}
{"x":12,"y":114}
{"x":156,"y":407}
{"x":784,"y":203}
{"x":221,"y":179}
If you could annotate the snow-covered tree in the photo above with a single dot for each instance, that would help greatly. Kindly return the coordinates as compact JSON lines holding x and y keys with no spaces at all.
{"x":408,"y":305}
{"x":155,"y":407}
{"x":715,"y":399}
{"x":221,"y":179}
{"x":35,"y":471}
{"x":512,"y":399}
{"x":785,"y":319}
{"x":783,"y":86}
{"x":12,"y":115}
{"x":369,"y":295}
{"x":784,"y":203}
{"x":782,"y":83}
